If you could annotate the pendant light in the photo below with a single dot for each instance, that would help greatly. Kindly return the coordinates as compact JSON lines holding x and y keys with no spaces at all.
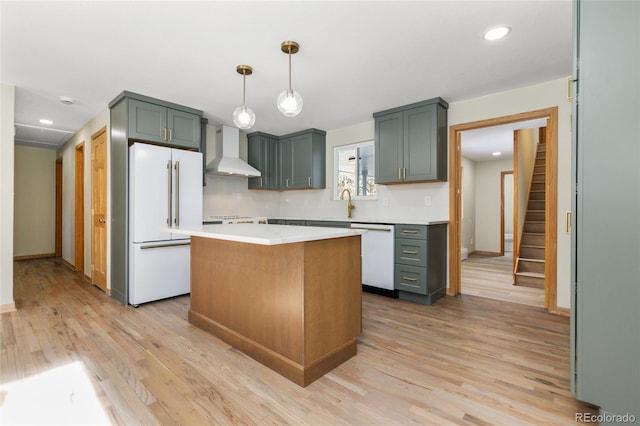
{"x":289,"y":102}
{"x":243,"y":116}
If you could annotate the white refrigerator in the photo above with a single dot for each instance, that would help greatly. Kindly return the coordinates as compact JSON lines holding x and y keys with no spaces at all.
{"x":165,"y":191}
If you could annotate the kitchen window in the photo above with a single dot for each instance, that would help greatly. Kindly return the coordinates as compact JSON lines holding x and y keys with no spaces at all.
{"x":354,"y":167}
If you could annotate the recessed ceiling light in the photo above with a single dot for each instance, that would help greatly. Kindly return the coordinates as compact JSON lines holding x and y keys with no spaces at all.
{"x":496,"y":33}
{"x":496,"y":154}
{"x":45,"y":121}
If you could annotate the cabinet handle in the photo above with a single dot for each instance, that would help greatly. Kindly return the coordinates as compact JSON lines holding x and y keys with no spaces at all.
{"x":309,"y":181}
{"x":409,"y":231}
{"x":170,"y":135}
{"x":260,"y":185}
{"x":169,"y":192}
{"x":569,"y":91}
{"x":404,"y":173}
{"x":399,"y":173}
{"x":286,"y":182}
{"x":164,"y":133}
{"x":567,"y":222}
{"x":409,"y":252}
{"x":409,"y":279}
{"x":176,"y":220}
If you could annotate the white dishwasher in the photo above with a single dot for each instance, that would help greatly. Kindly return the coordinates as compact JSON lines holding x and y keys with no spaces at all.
{"x":377,"y":257}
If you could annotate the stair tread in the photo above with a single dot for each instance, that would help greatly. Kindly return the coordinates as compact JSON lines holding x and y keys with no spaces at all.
{"x":527,"y":259}
{"x":537,"y":190}
{"x":533,"y":210}
{"x":533,"y":233}
{"x":530,"y":274}
{"x":531,"y":246}
{"x":533,"y":221}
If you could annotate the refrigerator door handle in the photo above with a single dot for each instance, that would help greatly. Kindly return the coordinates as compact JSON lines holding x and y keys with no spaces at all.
{"x":169,"y":193}
{"x":153,"y":246}
{"x":177,"y":219}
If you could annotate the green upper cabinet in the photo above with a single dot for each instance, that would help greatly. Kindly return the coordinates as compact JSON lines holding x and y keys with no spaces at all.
{"x":153,"y":122}
{"x":263,"y":152}
{"x":411,"y":143}
{"x":294,"y":161}
{"x":307,"y":159}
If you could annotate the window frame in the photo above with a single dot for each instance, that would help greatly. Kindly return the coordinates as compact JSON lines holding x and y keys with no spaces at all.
{"x":336,"y":169}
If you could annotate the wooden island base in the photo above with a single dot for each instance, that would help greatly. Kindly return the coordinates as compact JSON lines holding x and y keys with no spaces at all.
{"x":296,"y":308}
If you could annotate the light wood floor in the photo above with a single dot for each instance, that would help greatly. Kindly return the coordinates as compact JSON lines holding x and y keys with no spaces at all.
{"x":465,"y":360}
{"x":492,"y":277}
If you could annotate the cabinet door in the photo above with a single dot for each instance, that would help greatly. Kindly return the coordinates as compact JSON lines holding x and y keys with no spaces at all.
{"x":420,"y":156}
{"x":286,"y":168}
{"x":301,"y":161}
{"x":388,"y":142}
{"x":184,"y":129}
{"x":147,"y":122}
{"x":258,"y":157}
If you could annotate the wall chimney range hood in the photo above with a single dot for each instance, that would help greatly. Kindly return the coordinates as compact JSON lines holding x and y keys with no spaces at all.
{"x":227,"y":161}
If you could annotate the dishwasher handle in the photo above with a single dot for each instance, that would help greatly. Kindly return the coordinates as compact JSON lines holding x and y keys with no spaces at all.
{"x":372,"y":229}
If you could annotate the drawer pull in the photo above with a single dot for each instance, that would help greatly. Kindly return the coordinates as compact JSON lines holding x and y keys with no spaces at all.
{"x":408,"y":231}
{"x":409,"y":279}
{"x":409,"y":251}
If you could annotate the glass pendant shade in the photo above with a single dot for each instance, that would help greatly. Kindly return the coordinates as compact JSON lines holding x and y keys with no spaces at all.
{"x":289,"y":103}
{"x":244,"y":117}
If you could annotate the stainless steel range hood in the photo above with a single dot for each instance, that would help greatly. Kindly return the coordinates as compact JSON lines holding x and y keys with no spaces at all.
{"x":227,"y":161}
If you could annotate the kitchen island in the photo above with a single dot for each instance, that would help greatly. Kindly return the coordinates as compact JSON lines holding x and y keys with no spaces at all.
{"x":289,"y":297}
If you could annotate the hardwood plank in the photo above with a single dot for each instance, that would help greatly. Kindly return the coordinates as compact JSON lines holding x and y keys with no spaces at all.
{"x":465,"y":360}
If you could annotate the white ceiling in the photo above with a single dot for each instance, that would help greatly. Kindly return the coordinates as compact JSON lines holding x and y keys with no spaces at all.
{"x":355,"y":57}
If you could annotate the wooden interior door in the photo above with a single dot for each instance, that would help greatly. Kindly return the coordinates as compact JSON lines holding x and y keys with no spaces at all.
{"x":99,"y":209}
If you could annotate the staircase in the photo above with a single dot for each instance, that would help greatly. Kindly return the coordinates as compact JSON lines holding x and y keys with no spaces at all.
{"x":529,"y":271}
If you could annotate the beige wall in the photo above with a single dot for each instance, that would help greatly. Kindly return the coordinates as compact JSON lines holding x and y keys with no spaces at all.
{"x":530,"y":98}
{"x":7,"y":130}
{"x":35,"y":201}
{"x":488,"y":203}
{"x":468,"y":238}
{"x":68,"y":152}
{"x":527,"y":144}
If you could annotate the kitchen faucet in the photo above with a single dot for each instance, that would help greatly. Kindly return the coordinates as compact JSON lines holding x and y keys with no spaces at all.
{"x":350,"y":206}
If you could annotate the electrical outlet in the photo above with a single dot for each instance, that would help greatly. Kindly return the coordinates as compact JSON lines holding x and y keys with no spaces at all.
{"x":385,"y":202}
{"x":427,"y":200}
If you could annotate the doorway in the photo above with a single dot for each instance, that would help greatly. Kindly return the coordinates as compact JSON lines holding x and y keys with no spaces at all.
{"x":79,"y":211}
{"x":506,"y":213}
{"x":99,"y":209}
{"x":455,"y":199}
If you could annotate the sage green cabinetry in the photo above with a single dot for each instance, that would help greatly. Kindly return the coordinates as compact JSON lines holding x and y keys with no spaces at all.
{"x":135,"y":117}
{"x":154,"y":122}
{"x":263,"y":155}
{"x":329,"y":224}
{"x":293,"y":161}
{"x":411,"y":143}
{"x":420,"y":262}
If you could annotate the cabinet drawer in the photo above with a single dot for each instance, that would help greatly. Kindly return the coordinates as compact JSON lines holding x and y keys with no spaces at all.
{"x":418,"y":232}
{"x":411,"y":252}
{"x":295,"y":222}
{"x":411,"y":278}
{"x":328,"y":224}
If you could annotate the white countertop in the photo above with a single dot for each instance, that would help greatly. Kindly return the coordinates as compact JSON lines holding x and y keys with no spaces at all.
{"x":387,"y":220}
{"x":266,"y":234}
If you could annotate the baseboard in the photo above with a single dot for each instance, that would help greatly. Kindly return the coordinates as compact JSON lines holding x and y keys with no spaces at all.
{"x":86,"y":277}
{"x":34,"y":256}
{"x":565,"y":312}
{"x":485,"y":253}
{"x":67,"y":264}
{"x":7,"y":308}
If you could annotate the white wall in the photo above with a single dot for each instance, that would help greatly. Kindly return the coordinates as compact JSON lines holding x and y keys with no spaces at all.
{"x":35,"y":201}
{"x":530,"y":98}
{"x":508,"y":204}
{"x":68,"y":153}
{"x":488,"y":203}
{"x":7,"y":130}
{"x":468,"y":234}
{"x":227,"y":195}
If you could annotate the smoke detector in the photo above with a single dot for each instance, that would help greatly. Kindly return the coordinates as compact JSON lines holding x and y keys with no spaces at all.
{"x":66,"y":100}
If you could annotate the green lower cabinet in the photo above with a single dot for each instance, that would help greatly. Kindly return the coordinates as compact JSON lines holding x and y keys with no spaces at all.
{"x":295,"y":222}
{"x":420,"y":262}
{"x":328,"y":224}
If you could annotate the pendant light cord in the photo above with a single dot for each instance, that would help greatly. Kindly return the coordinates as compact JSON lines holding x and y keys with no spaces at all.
{"x":289,"y":69}
{"x":244,"y":82}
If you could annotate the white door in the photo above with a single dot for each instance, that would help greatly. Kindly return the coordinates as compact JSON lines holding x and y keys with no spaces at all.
{"x":150,"y":188}
{"x":187,"y":190}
